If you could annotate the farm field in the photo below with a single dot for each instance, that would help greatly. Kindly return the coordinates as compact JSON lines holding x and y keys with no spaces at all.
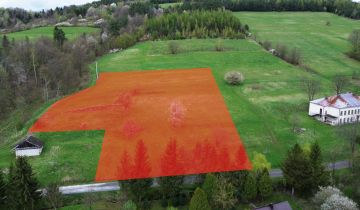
{"x":323,"y":46}
{"x":35,"y":33}
{"x":159,"y":127}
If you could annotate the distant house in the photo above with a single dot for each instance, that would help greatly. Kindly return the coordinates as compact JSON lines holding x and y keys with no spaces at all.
{"x":30,"y":146}
{"x":336,"y":110}
{"x":276,"y":206}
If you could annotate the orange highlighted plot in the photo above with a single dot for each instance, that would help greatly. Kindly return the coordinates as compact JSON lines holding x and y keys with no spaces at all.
{"x":157,"y":123}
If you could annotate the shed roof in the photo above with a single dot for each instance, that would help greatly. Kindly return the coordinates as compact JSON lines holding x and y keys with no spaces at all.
{"x":30,"y":142}
{"x":344,"y":100}
{"x":276,"y":206}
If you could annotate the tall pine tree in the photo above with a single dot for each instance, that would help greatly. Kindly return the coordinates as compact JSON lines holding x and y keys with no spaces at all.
{"x":320,"y":176}
{"x":298,"y":171}
{"x":170,"y":187}
{"x":250,"y":190}
{"x":26,"y":185}
{"x":199,"y":201}
{"x":2,"y":190}
{"x":11,"y":189}
{"x":264,"y":184}
{"x":209,"y":186}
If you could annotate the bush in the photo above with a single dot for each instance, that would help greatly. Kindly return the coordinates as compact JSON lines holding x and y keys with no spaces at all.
{"x":336,"y":202}
{"x":174,"y":48}
{"x":234,"y":78}
{"x":267,"y":45}
{"x":219,"y":46}
{"x":324,"y":193}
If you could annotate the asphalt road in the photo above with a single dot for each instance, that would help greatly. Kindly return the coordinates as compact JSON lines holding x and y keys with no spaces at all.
{"x":114,"y":186}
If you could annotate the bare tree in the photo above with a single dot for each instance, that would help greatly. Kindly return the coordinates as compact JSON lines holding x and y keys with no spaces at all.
{"x":311,"y":87}
{"x":340,"y":82}
{"x":53,"y":196}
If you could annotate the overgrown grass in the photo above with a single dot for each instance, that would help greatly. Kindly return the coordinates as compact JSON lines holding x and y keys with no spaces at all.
{"x":35,"y":33}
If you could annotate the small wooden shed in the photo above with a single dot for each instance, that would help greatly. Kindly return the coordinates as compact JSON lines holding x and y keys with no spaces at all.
{"x":30,"y":146}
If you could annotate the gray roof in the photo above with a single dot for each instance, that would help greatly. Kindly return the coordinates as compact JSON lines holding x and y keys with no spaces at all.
{"x":30,"y":142}
{"x":276,"y":206}
{"x":343,"y":100}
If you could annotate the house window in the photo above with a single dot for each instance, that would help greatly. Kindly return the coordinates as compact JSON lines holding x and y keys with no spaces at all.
{"x":340,"y":113}
{"x":340,"y":121}
{"x":344,"y":112}
{"x":352,"y":111}
{"x":349,"y":112}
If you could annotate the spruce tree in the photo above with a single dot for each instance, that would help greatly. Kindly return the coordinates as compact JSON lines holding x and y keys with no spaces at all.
{"x":320,"y":176}
{"x":250,"y":190}
{"x":11,"y":189}
{"x":2,"y":189}
{"x":264,"y":184}
{"x":297,"y":171}
{"x":170,"y":187}
{"x":199,"y":201}
{"x":59,"y":36}
{"x":26,"y":185}
{"x":138,"y":190}
{"x":209,"y":186}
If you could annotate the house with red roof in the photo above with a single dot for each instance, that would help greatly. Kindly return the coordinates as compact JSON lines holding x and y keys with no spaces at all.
{"x":336,"y":110}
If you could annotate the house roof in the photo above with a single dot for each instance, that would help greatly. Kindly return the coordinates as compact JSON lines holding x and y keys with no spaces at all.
{"x":344,"y":100}
{"x":276,"y":206}
{"x":30,"y":142}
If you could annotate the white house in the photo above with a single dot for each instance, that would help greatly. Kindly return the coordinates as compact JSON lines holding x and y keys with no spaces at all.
{"x":30,"y":146}
{"x":336,"y":110}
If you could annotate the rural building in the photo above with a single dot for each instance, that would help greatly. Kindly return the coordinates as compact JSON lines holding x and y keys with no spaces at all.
{"x":276,"y":206}
{"x":336,"y":110}
{"x":30,"y":146}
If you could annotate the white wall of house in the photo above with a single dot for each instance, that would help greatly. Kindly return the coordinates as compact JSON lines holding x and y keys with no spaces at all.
{"x":28,"y":152}
{"x":349,"y":115}
{"x":314,"y":109}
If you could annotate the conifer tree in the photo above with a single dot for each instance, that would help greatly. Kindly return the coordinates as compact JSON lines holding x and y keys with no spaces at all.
{"x":170,"y":187}
{"x":2,"y":189}
{"x":320,"y":176}
{"x":59,"y":36}
{"x":11,"y":194}
{"x":250,"y":190}
{"x":209,"y":186}
{"x":26,"y":185}
{"x":264,"y":184}
{"x":298,"y":171}
{"x":199,"y":201}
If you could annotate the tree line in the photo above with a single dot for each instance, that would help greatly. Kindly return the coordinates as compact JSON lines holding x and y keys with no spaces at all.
{"x":33,"y":71}
{"x":196,"y":24}
{"x":346,"y":8}
{"x":303,"y":169}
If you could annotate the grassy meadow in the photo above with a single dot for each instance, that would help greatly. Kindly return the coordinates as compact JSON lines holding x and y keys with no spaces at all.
{"x":35,"y":33}
{"x":323,"y":45}
{"x":261,"y":109}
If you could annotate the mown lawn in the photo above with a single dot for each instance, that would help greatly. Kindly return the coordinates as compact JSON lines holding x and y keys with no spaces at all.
{"x":261,"y":108}
{"x":35,"y":33}
{"x":323,"y":46}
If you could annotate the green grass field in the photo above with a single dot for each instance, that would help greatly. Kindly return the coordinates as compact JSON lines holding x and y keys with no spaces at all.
{"x":35,"y":33}
{"x":259,"y":107}
{"x":323,"y":46}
